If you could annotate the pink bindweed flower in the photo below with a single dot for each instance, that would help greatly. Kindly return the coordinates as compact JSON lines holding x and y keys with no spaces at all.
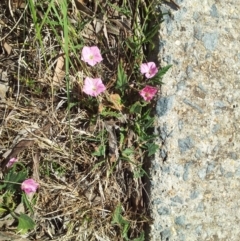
{"x":11,"y":162}
{"x":149,"y":69}
{"x":93,"y":87}
{"x":91,"y":55}
{"x":148,"y":92}
{"x":29,"y":186}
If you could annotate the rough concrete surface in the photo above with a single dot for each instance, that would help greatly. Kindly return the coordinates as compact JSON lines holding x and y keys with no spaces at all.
{"x":195,"y":187}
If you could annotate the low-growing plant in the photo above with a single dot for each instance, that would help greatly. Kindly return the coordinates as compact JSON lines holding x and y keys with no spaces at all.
{"x":15,"y":190}
{"x":90,"y":93}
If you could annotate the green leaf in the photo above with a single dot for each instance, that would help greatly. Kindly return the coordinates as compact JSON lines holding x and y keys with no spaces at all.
{"x":140,"y":238}
{"x":151,"y":33}
{"x":152,"y":148}
{"x":157,"y":79}
{"x":110,"y":114}
{"x":125,"y":230}
{"x":139,"y":172}
{"x":26,"y":202}
{"x":163,"y":71}
{"x":13,"y":178}
{"x":127,"y":152}
{"x":121,"y":78}
{"x":122,"y":138}
{"x":136,"y":108}
{"x":2,"y":210}
{"x":117,"y":217}
{"x":25,"y":223}
{"x":71,"y":105}
{"x":101,"y":151}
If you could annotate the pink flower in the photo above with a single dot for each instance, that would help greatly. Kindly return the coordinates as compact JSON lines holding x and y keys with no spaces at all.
{"x":91,"y":55}
{"x":93,"y":87}
{"x":11,"y":162}
{"x":148,"y":92}
{"x":149,"y":69}
{"x":29,"y":186}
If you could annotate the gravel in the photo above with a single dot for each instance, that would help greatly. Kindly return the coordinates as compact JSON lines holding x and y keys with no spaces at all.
{"x":195,"y":185}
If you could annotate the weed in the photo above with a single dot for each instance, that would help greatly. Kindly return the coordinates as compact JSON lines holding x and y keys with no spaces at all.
{"x":80,"y":118}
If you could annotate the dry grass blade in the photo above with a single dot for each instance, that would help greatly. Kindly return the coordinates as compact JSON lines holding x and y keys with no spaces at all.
{"x":7,"y":48}
{"x":59,"y":73}
{"x":115,"y":99}
{"x":4,"y":236}
{"x":3,"y":90}
{"x":112,"y":140}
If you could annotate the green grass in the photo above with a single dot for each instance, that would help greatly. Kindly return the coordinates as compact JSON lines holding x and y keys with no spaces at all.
{"x":88,"y":154}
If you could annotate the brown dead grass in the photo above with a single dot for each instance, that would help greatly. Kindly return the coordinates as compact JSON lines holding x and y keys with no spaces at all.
{"x":78,"y":191}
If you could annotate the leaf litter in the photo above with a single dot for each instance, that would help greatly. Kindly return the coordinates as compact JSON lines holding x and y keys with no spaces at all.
{"x":88,"y":168}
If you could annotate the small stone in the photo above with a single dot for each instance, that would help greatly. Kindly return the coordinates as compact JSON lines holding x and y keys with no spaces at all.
{"x":216,"y":148}
{"x":181,"y":85}
{"x":200,"y":207}
{"x":166,"y":169}
{"x":198,"y":154}
{"x":163,"y":131}
{"x":158,"y":227}
{"x":163,"y":211}
{"x":214,"y":11}
{"x":208,"y":55}
{"x":196,"y":16}
{"x":180,"y":220}
{"x":194,"y":194}
{"x":156,"y":201}
{"x":202,"y":173}
{"x":193,"y":105}
{"x":185,"y":176}
{"x":162,"y":44}
{"x":177,"y":170}
{"x":188,"y":226}
{"x":210,"y":41}
{"x":180,"y":125}
{"x":188,"y":47}
{"x":237,"y":172}
{"x":178,"y":42}
{"x":233,"y":155}
{"x":186,"y":172}
{"x":210,"y":168}
{"x":189,"y":71}
{"x":198,"y":230}
{"x":181,"y":236}
{"x":215,"y":128}
{"x":155,"y":166}
{"x":164,"y":104}
{"x":163,"y":153}
{"x":169,"y":23}
{"x":177,"y":199}
{"x":197,"y":33}
{"x":219,"y":104}
{"x":185,"y":144}
{"x":165,"y":235}
{"x":228,"y":174}
{"x":167,"y":59}
{"x":222,"y":170}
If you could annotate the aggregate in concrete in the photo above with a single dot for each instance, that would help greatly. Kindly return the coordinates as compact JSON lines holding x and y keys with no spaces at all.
{"x":195,"y":186}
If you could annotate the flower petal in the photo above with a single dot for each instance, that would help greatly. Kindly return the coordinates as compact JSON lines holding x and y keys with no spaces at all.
{"x":148,"y":92}
{"x":93,"y":87}
{"x":149,"y":69}
{"x":91,"y":55}
{"x":29,"y":186}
